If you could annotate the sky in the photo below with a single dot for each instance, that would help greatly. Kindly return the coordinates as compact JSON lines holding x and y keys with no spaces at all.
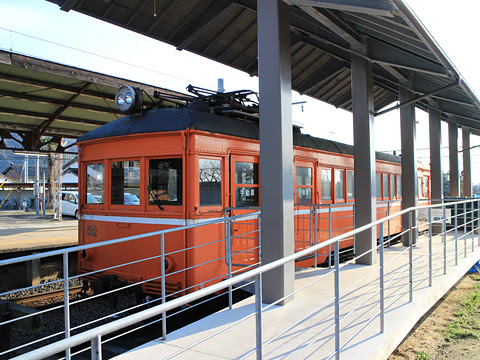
{"x":39,"y":28}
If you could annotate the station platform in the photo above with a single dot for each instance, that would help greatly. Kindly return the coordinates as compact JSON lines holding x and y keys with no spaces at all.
{"x":307,"y":332}
{"x":36,"y":234}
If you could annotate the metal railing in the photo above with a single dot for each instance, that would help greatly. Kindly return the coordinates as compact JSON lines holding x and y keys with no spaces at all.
{"x":458,"y":218}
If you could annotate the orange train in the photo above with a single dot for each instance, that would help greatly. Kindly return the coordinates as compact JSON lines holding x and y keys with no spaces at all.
{"x":174,"y":166}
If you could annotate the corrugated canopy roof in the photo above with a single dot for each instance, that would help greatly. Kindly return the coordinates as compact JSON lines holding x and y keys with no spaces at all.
{"x":42,"y":100}
{"x":324,"y":33}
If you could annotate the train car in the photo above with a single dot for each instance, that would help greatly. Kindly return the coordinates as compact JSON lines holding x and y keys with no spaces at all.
{"x":173,"y":166}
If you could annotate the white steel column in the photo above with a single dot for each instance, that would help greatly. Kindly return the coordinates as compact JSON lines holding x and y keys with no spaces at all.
{"x":467,"y":164}
{"x":453,"y":159}
{"x":364,"y":153}
{"x":276,"y":145}
{"x":409,"y":162}
{"x":435,"y":130}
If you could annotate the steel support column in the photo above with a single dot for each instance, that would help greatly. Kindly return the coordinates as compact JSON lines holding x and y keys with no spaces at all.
{"x":467,"y":164}
{"x":436,"y":160}
{"x":453,"y":160}
{"x":276,"y":145}
{"x":409,"y":162}
{"x":364,"y":153}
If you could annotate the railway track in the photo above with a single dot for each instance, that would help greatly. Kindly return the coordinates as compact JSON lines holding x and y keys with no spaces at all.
{"x":45,"y":299}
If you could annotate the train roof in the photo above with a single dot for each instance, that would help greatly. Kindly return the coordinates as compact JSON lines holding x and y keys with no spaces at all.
{"x":174,"y":119}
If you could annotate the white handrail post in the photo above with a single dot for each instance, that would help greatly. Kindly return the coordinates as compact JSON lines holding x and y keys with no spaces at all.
{"x":465,"y":227}
{"x":444,"y":240}
{"x":388,"y":214}
{"x":66,"y":302}
{"x":329,"y":235}
{"x":229,"y":259}
{"x":258,"y":316}
{"x":478,"y":221}
{"x":382,"y":282}
{"x":410,"y":257}
{"x":430,"y":246}
{"x":96,"y":348}
{"x":315,"y":233}
{"x":162,"y":266}
{"x":337,"y":300}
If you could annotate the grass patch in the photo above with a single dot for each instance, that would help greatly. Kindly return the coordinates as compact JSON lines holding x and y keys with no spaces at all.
{"x":422,"y":356}
{"x":467,"y":322}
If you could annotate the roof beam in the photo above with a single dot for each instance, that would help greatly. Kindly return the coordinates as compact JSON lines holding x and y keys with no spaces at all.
{"x":37,"y":115}
{"x":139,"y":9}
{"x":195,"y":10}
{"x":163,"y":14}
{"x":213,"y":15}
{"x":371,"y":7}
{"x":68,"y":5}
{"x":335,"y":24}
{"x":52,"y":101}
{"x":13,"y":127}
{"x":44,"y":126}
{"x":382,"y":53}
{"x":222,"y":31}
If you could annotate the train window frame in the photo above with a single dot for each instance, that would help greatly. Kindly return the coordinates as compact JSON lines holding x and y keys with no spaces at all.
{"x":233,"y":178}
{"x":163,"y":205}
{"x":334,"y":184}
{"x":322,"y":171}
{"x":222,"y":182}
{"x":378,"y":181}
{"x":84,"y":198}
{"x":420,"y":187}
{"x":311,"y":186}
{"x":398,"y":180}
{"x":393,"y":187}
{"x":386,"y":192}
{"x":110,"y":184}
{"x":348,"y":197}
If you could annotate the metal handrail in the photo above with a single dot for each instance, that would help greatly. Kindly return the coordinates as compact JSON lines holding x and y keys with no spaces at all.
{"x":94,"y":335}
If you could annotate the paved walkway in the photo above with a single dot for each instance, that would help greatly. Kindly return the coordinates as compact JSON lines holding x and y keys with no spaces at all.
{"x":28,"y":233}
{"x":304,"y":328}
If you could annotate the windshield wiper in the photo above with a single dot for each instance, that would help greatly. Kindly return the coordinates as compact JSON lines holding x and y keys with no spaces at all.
{"x":152,"y":194}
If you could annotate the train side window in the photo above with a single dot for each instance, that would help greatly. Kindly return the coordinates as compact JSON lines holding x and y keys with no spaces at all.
{"x":210,"y":179}
{"x":399,"y":186}
{"x":392,"y":186}
{"x":378,"y":184}
{"x":339,"y":185}
{"x":303,"y":185}
{"x":246,"y":175}
{"x":420,"y":187}
{"x":165,"y":182}
{"x":125,"y":188}
{"x":327,"y":185}
{"x":426,"y":186}
{"x":386,"y":193}
{"x":95,"y":183}
{"x":350,"y":185}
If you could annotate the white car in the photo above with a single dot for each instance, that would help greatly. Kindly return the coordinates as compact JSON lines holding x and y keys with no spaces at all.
{"x":70,"y":203}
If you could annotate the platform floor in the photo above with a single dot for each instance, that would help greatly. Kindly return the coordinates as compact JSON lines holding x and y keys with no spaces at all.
{"x":31,"y":237}
{"x":312,"y":336}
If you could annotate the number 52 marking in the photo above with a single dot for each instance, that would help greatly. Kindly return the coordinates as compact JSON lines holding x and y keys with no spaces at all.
{"x":91,"y":230}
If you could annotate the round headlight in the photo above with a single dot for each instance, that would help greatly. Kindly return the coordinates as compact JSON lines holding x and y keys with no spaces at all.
{"x":129,"y":99}
{"x":121,"y":99}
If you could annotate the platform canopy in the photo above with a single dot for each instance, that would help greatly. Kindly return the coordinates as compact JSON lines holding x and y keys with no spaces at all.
{"x":43,"y":104}
{"x":324,"y":34}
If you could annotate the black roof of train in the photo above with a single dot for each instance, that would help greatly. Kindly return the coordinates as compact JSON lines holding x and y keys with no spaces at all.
{"x":174,"y":119}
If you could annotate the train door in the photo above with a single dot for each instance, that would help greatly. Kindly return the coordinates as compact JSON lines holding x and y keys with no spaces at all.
{"x":244,"y":198}
{"x":305,"y":196}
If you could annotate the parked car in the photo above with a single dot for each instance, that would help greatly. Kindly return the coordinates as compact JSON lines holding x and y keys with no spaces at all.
{"x":70,"y":203}
{"x":131,"y":199}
